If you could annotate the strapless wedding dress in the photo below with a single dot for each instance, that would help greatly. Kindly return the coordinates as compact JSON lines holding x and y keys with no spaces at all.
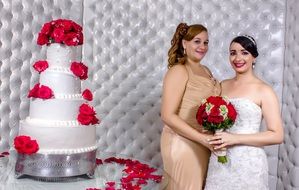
{"x":247,"y":167}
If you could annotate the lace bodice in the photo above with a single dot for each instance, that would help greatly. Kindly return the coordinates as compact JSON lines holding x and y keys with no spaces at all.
{"x":247,"y":166}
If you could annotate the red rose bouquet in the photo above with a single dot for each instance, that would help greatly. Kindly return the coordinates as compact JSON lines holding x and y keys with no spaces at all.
{"x":215,"y":114}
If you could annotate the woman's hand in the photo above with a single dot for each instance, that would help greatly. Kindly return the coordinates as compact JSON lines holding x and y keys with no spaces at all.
{"x":223,"y":140}
{"x":206,"y":142}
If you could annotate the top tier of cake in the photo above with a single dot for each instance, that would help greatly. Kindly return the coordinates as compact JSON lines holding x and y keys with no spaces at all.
{"x":59,"y":55}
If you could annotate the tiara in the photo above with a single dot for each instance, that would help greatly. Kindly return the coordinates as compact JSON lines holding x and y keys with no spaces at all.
{"x":250,"y":38}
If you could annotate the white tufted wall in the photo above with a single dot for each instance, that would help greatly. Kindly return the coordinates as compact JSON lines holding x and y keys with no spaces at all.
{"x":288,"y":170}
{"x":128,"y":43}
{"x":126,"y":48}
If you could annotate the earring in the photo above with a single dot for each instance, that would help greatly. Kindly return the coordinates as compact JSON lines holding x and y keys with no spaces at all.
{"x":253,"y":65}
{"x":184,"y":51}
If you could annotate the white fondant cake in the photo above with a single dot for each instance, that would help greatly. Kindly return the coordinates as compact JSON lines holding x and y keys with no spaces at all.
{"x":54,"y":121}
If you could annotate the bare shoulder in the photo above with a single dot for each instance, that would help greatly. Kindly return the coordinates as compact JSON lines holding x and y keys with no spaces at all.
{"x":264,"y":88}
{"x":266,"y":91}
{"x":178,"y":72}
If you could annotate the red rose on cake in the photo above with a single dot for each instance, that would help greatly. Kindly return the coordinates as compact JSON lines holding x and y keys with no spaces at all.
{"x":87,"y":95}
{"x":87,"y":115}
{"x":45,"y":92}
{"x":40,"y":91}
{"x":33,"y":93}
{"x":61,"y":31}
{"x":72,"y":39}
{"x":80,"y":70}
{"x":40,"y":66}
{"x":25,"y":145}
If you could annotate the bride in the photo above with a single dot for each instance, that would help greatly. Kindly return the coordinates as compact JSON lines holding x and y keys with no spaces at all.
{"x":247,"y":167}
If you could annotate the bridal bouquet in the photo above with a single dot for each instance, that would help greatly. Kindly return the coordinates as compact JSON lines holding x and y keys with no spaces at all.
{"x":216,"y":114}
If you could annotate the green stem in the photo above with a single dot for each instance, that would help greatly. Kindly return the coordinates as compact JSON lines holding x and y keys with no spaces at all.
{"x":222,"y":159}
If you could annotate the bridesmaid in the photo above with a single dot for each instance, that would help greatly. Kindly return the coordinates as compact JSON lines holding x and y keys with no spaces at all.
{"x":184,"y":146}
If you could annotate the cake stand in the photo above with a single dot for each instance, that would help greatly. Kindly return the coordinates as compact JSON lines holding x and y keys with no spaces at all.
{"x":56,"y":166}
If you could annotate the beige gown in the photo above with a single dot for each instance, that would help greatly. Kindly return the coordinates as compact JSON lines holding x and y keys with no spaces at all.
{"x":185,"y":161}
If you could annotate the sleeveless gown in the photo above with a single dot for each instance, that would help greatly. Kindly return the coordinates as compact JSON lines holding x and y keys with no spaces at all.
{"x":247,"y":166}
{"x":185,"y":162}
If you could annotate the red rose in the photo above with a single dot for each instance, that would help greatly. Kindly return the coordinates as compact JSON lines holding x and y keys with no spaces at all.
{"x":200,"y":113}
{"x":58,"y":35}
{"x":232,"y":113}
{"x":42,"y":92}
{"x":67,"y":25}
{"x":215,"y":111}
{"x":24,"y":145}
{"x":216,"y":100}
{"x":85,"y":119}
{"x":95,"y":120}
{"x":20,"y":141}
{"x":215,"y":116}
{"x":61,"y":31}
{"x":42,"y":39}
{"x":45,"y":92}
{"x":80,"y":38}
{"x":87,"y":95}
{"x":215,"y":119}
{"x":71,"y":39}
{"x":40,"y":66}
{"x":34,"y":91}
{"x":87,"y":115}
{"x":77,"y":27}
{"x":86,"y":109}
{"x":79,"y":70}
{"x":47,"y":29}
{"x":57,"y":23}
{"x":31,"y":147}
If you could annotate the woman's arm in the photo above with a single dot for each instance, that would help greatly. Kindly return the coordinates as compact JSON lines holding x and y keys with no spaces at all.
{"x":273,"y":134}
{"x":174,"y":85}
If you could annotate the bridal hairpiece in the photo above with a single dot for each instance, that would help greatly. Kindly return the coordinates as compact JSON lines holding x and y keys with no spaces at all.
{"x":250,"y":38}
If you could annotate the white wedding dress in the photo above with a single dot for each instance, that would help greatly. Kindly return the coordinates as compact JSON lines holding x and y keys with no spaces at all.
{"x":247,"y":167}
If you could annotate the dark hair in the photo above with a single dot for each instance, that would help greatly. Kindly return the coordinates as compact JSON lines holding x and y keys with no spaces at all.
{"x":183,"y":32}
{"x":248,"y":43}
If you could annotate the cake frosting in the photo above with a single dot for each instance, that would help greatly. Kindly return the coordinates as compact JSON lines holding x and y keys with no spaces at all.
{"x":60,"y":120}
{"x":60,"y":137}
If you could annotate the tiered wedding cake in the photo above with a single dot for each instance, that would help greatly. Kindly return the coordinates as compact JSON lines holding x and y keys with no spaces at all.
{"x":61,"y":122}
